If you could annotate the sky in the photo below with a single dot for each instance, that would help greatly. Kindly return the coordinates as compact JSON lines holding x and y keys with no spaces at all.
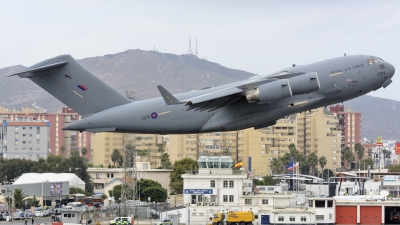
{"x":255,"y":36}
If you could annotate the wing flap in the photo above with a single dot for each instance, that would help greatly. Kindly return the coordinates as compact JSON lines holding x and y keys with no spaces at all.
{"x":213,"y":95}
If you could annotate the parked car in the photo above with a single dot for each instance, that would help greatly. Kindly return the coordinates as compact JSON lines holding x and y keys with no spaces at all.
{"x":39,"y":213}
{"x":121,"y":220}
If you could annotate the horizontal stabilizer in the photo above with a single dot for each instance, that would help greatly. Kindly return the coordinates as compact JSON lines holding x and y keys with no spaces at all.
{"x":168,"y":97}
{"x":41,"y":68}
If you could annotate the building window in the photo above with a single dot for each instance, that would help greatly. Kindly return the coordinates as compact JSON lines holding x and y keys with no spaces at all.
{"x":248,"y":201}
{"x":212,"y":184}
{"x":225,"y":183}
{"x":291,"y":218}
{"x":23,"y":128}
{"x":97,"y":176}
{"x":212,"y":198}
{"x":303,"y":219}
{"x":225,"y":198}
{"x":264,"y":201}
{"x":231,"y":199}
{"x":319,"y":204}
{"x":231,"y":184}
{"x":280,"y":218}
{"x":330,"y":216}
{"x":319,"y":217}
{"x":310,"y":203}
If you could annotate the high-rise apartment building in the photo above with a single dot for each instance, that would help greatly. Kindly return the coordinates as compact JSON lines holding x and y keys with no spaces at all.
{"x":149,"y":147}
{"x":350,"y":125}
{"x":318,"y":132}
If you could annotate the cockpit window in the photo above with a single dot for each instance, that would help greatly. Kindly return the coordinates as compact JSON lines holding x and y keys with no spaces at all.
{"x":381,"y":59}
{"x":372,"y":61}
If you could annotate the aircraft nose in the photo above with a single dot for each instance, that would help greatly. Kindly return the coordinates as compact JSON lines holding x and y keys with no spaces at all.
{"x":390,"y":69}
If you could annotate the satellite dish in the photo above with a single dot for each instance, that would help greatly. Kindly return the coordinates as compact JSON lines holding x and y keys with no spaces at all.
{"x":384,"y":193}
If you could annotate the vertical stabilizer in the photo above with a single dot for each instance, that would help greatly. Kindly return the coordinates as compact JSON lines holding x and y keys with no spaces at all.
{"x":68,"y":81}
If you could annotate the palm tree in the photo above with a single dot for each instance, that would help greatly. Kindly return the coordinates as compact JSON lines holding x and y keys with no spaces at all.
{"x":348,"y":155}
{"x":359,"y":150}
{"x":312,"y":161}
{"x":116,"y":156}
{"x":322,"y":163}
{"x":276,"y":166}
{"x":19,"y":197}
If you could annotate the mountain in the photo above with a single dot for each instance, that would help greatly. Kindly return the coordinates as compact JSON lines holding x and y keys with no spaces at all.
{"x":141,"y":71}
{"x":379,"y":116}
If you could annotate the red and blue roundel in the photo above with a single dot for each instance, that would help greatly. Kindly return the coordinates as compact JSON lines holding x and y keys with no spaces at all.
{"x":153,"y":115}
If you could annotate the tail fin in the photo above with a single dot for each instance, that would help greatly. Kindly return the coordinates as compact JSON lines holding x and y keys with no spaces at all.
{"x":68,"y":81}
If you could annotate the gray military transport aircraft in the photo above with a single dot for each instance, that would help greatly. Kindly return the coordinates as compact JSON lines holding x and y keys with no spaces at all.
{"x":256,"y":102}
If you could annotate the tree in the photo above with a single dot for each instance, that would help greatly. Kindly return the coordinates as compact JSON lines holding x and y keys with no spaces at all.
{"x":276,"y":166}
{"x":322,"y":163}
{"x":180,"y":167}
{"x":328,"y":173}
{"x":115,"y":192}
{"x":76,"y":190}
{"x":84,"y":152}
{"x":165,"y":162}
{"x":359,"y":150}
{"x":348,"y":155}
{"x":312,"y":162}
{"x":116,"y":156}
{"x":157,"y":194}
{"x":19,"y":197}
{"x":145,"y":183}
{"x":269,"y":180}
{"x":366,"y":162}
{"x":76,"y":164}
{"x":160,"y":148}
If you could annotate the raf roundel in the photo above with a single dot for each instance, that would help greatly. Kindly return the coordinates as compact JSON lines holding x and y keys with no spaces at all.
{"x":154,"y":115}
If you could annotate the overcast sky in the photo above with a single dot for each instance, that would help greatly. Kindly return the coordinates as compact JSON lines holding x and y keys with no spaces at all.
{"x":255,"y":36}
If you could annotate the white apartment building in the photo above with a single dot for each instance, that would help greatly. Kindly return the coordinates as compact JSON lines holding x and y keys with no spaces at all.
{"x":26,"y":139}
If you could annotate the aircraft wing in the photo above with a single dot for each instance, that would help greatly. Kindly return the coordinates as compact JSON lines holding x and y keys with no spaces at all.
{"x":230,"y":93}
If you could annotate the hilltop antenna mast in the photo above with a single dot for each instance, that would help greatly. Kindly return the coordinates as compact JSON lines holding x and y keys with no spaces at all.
{"x":190,"y":47}
{"x":196,"y":47}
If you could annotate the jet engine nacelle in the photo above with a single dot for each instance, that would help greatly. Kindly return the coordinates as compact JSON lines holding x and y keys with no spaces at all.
{"x":305,"y":83}
{"x":270,"y":92}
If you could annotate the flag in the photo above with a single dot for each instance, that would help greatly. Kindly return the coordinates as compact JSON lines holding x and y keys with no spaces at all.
{"x":290,"y":166}
{"x":239,"y":165}
{"x":349,"y":80}
{"x":296,"y":165}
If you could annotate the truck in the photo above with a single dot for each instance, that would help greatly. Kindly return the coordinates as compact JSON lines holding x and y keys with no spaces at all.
{"x":233,"y":218}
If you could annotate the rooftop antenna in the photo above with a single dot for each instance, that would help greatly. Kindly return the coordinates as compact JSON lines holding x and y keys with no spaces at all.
{"x":190,"y":47}
{"x":196,"y":47}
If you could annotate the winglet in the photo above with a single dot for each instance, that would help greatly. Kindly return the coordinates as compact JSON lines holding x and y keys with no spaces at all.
{"x":168,"y":97}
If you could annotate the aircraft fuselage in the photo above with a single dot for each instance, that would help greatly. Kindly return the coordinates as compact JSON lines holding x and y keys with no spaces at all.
{"x":340,"y":79}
